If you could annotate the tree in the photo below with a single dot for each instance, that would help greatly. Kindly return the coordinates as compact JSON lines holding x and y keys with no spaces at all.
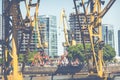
{"x":21,"y":58}
{"x":30,"y":57}
{"x":108,"y":53}
{"x":1,"y":61}
{"x":78,"y":52}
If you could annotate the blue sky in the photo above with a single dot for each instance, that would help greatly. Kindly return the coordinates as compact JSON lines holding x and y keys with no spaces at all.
{"x":53,"y":7}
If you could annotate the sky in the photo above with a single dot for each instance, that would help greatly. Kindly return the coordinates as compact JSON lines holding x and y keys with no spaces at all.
{"x":53,"y":7}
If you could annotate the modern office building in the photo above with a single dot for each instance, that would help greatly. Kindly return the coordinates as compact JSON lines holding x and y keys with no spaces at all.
{"x":119,"y":43}
{"x":23,"y":43}
{"x":108,"y":34}
{"x":0,"y":35}
{"x":74,"y":26}
{"x":49,"y":32}
{"x":0,"y":27}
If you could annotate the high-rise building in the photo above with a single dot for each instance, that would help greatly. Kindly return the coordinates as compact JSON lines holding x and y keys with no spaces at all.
{"x":0,"y":26}
{"x":23,"y":43}
{"x":119,"y":43}
{"x":108,"y":34}
{"x":75,"y":28}
{"x":107,"y":30}
{"x":49,"y":33}
{"x":0,"y":34}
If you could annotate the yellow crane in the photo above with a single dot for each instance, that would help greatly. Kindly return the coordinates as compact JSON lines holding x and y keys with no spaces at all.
{"x":34,"y":22}
{"x":63,"y":21}
{"x":13,"y":21}
{"x":93,"y":14}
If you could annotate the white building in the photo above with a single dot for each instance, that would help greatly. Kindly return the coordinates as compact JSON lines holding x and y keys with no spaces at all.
{"x":108,"y":34}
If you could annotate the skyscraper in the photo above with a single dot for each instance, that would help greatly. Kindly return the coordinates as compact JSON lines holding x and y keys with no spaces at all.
{"x":74,"y":26}
{"x":25,"y":40}
{"x":0,"y":34}
{"x":49,"y":33}
{"x":108,"y":34}
{"x":107,"y":30}
{"x":0,"y":26}
{"x":119,"y":43}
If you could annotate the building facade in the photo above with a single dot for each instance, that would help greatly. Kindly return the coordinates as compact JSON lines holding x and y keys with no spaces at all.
{"x":108,"y":34}
{"x":119,"y":43}
{"x":0,"y":35}
{"x":23,"y":41}
{"x":49,"y":32}
{"x":107,"y":30}
{"x":75,"y":28}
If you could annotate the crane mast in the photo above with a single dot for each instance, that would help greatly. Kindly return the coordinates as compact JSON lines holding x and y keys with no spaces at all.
{"x":63,"y":21}
{"x":93,"y":14}
{"x":12,"y":22}
{"x":10,"y":25}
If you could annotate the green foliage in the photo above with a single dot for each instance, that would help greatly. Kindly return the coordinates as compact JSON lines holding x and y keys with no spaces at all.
{"x":1,"y":61}
{"x":108,"y":53}
{"x":78,"y":52}
{"x":30,"y":57}
{"x":21,"y":58}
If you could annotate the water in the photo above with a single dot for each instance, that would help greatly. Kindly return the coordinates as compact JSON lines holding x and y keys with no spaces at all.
{"x":59,"y":77}
{"x":64,"y":77}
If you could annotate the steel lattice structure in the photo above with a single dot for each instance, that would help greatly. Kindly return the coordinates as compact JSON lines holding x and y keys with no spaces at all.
{"x":93,"y":13}
{"x":13,"y":21}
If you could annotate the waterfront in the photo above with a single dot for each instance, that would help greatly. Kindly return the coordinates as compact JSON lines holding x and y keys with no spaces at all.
{"x":68,"y":77}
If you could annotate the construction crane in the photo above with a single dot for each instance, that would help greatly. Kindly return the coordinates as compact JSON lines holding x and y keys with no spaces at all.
{"x":34,"y":22}
{"x":93,"y":14}
{"x":67,"y":43}
{"x":63,"y":21}
{"x":12,"y":21}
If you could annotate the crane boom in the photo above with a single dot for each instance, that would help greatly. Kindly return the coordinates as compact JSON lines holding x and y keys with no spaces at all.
{"x":108,"y":6}
{"x":93,"y":14}
{"x":63,"y":20}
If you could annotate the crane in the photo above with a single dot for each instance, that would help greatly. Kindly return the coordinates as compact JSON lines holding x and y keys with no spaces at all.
{"x":34,"y":23}
{"x":67,"y":43}
{"x":12,"y":21}
{"x":93,"y":14}
{"x":63,"y":21}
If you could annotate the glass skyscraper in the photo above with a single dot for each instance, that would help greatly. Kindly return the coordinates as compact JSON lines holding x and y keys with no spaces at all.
{"x":108,"y":34}
{"x":118,"y":42}
{"x":0,"y":34}
{"x":49,"y":33}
